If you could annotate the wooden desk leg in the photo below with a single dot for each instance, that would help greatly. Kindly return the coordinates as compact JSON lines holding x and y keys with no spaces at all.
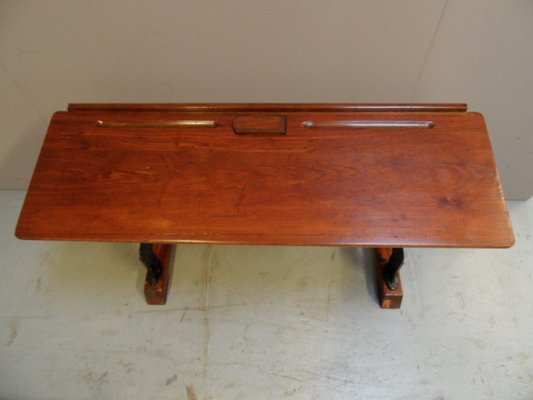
{"x":390,"y":288}
{"x":156,"y":258}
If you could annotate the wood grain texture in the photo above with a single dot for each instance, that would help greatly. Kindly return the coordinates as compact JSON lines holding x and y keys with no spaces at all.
{"x":366,"y":187}
{"x":260,"y":124}
{"x":272,"y":107}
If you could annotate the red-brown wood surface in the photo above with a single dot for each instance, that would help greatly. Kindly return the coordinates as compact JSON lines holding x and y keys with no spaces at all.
{"x":167,"y":183}
{"x":273,"y":107}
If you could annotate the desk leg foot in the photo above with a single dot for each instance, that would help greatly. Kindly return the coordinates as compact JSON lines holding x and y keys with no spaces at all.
{"x":390,"y":288}
{"x":156,"y":258}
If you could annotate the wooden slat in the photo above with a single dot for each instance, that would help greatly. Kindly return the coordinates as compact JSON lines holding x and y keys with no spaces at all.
{"x":380,"y":187}
{"x":280,"y":107}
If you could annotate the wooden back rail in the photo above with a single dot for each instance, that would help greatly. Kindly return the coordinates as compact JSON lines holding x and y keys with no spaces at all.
{"x":372,"y":175}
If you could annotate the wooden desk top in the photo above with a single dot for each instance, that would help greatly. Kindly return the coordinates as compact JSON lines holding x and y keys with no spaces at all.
{"x":355,"y":175}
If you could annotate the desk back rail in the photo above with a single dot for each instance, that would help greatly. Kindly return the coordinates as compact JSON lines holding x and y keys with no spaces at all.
{"x":268,"y":107}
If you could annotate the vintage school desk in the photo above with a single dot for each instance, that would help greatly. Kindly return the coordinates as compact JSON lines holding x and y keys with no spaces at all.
{"x":384,"y":176}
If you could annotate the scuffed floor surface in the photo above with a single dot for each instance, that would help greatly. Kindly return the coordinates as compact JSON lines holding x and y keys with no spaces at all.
{"x":247,"y":322}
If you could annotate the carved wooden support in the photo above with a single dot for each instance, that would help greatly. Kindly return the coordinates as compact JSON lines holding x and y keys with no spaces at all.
{"x":156,"y":258}
{"x":389,"y":283}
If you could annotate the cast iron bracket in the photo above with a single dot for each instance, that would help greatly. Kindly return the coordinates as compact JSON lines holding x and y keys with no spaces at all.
{"x":392,"y":268}
{"x":151,"y":262}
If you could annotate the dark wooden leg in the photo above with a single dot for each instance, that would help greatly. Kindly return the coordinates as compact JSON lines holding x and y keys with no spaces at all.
{"x":390,"y":288}
{"x":156,"y":258}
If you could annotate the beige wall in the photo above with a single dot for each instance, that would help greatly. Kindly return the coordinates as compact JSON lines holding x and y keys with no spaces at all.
{"x":56,"y":52}
{"x":483,"y":54}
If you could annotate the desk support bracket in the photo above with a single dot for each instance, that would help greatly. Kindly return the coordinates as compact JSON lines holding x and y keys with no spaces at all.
{"x":157,"y":259}
{"x":390,"y":260}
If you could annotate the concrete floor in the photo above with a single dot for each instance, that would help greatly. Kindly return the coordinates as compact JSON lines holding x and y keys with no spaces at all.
{"x":247,"y":322}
